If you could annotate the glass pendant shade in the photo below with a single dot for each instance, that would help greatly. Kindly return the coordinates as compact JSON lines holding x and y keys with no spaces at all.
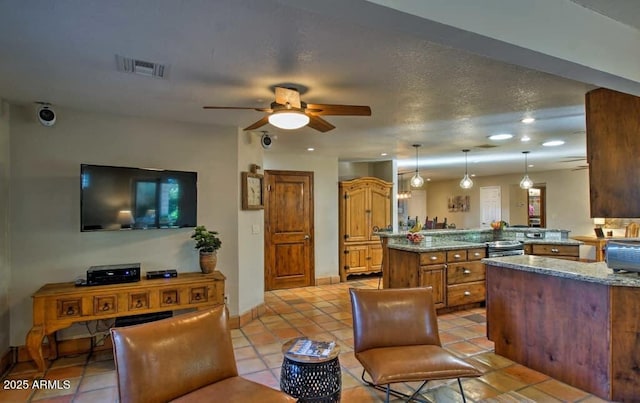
{"x":288,"y":119}
{"x":526,"y":182}
{"x":416,"y":180}
{"x":466,"y":182}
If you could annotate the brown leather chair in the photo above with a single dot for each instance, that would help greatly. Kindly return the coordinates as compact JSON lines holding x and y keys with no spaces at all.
{"x":396,"y":339}
{"x":187,"y":358}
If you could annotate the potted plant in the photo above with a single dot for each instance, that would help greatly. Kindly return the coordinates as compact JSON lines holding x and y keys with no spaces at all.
{"x":208,"y":244}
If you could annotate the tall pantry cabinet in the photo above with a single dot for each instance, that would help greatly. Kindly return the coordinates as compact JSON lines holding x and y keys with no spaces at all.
{"x":365,"y":207}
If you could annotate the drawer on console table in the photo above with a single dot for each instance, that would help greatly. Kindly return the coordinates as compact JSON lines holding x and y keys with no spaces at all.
{"x":198,"y":295}
{"x":69,"y":308}
{"x":105,"y":304}
{"x":169,"y":297}
{"x":138,"y":300}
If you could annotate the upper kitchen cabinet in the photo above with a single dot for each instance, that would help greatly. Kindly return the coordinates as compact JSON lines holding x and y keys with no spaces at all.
{"x":613,"y":149}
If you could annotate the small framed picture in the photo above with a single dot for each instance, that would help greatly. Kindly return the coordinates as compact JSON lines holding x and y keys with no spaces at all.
{"x":252,"y":191}
{"x":599,"y":232}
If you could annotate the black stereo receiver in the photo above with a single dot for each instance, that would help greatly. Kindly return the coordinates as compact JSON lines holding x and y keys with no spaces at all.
{"x":113,"y":274}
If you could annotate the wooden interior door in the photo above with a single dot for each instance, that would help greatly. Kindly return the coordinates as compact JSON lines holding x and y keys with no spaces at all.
{"x":289,"y":229}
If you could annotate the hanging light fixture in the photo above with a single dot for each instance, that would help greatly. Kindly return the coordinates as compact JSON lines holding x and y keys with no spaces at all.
{"x":288,"y":119}
{"x":416,"y":180}
{"x":402,"y":193}
{"x":466,"y":182}
{"x":526,"y":182}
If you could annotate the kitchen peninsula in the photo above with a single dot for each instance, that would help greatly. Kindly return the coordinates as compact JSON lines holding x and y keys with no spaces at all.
{"x":576,"y":322}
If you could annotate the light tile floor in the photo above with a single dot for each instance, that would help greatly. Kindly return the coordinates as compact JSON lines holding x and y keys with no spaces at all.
{"x":322,"y":311}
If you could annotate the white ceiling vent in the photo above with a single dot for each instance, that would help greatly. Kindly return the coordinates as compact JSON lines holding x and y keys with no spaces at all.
{"x":141,"y":67}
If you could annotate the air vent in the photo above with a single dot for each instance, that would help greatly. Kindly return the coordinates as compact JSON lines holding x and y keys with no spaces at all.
{"x":486,"y":146}
{"x":141,"y":67}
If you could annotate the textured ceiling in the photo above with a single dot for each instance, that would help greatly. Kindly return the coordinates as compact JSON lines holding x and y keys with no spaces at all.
{"x":232,"y":52}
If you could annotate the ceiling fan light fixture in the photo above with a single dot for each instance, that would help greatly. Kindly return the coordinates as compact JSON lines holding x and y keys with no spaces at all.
{"x":288,"y":119}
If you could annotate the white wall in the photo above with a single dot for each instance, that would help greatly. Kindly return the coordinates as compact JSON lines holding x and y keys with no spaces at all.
{"x":250,"y":291}
{"x":5,"y":268}
{"x":567,"y":200}
{"x":325,"y":182}
{"x":46,"y":242}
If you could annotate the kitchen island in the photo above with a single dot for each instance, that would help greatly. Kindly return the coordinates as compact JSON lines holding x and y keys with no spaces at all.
{"x":576,"y":322}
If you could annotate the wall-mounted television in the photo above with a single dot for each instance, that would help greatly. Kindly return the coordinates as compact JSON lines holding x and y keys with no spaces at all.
{"x":123,"y":198}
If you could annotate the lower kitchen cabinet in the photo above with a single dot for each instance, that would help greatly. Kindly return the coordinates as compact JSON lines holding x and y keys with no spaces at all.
{"x":567,"y":252}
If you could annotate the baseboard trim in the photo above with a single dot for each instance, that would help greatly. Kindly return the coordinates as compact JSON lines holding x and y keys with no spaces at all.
{"x":6,"y":361}
{"x":327,"y":280}
{"x":236,"y":322}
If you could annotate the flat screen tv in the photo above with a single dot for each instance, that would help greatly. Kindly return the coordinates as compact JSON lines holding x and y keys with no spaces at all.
{"x":121,"y":198}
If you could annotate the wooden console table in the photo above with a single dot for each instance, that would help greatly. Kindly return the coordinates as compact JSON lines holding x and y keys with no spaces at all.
{"x":58,"y":305}
{"x":598,"y":243}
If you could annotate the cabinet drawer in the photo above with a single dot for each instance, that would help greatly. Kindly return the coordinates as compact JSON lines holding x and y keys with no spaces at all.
{"x":465,"y":272}
{"x":169,"y":298}
{"x":198,"y":295}
{"x":69,"y":308}
{"x":432,"y":258}
{"x":467,"y":293}
{"x":551,"y":250}
{"x":476,"y":254}
{"x":457,"y":256}
{"x":104,"y":305}
{"x":138,"y":301}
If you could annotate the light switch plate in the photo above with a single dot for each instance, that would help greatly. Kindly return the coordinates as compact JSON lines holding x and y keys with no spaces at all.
{"x":255,"y":229}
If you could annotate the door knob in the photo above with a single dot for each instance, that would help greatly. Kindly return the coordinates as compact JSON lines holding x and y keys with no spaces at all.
{"x":306,"y":237}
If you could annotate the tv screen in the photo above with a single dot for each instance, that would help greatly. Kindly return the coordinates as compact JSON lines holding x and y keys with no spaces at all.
{"x":121,"y":198}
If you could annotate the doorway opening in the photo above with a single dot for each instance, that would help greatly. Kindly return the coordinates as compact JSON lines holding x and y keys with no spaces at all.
{"x":536,"y":212}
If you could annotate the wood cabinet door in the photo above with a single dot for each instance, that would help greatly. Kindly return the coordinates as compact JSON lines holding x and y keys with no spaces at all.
{"x":434,"y":276}
{"x":356,"y":259}
{"x":375,"y":257}
{"x":379,"y":210}
{"x":355,"y":201}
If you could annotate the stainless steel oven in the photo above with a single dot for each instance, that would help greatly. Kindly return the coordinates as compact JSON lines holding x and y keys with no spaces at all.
{"x":504,"y":248}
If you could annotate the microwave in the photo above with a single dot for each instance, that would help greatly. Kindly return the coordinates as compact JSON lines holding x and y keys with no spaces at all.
{"x":623,"y":255}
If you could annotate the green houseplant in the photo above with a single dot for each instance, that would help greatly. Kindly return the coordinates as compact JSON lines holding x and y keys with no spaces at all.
{"x":208,"y":243}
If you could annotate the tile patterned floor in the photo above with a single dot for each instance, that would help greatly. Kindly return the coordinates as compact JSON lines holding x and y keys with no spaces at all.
{"x":320,"y":312}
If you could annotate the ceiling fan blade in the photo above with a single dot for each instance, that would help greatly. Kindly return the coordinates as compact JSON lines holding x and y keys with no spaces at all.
{"x":344,"y":110}
{"x":288,"y":96}
{"x":321,"y":125}
{"x":259,"y":123}
{"x":239,"y":107}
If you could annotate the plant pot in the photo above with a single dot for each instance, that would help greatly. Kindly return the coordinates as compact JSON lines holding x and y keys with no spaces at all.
{"x":208,"y":261}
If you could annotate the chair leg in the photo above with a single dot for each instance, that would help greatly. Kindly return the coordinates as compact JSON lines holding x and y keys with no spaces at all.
{"x":388,"y":390}
{"x":461,"y":391}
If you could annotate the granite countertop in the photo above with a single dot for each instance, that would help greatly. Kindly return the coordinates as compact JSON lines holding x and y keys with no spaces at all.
{"x":432,"y":245}
{"x":597,"y":272}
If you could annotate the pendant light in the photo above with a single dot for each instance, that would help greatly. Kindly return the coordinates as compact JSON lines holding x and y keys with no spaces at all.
{"x":402,"y":193}
{"x":526,"y":182}
{"x":416,"y":180}
{"x":466,"y":182}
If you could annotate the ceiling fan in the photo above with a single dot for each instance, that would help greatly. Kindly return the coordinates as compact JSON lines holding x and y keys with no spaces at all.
{"x":288,"y":112}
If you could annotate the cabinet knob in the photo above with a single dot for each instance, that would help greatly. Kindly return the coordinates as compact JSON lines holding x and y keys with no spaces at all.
{"x":138,"y":304}
{"x":433,"y":258}
{"x":555,"y":250}
{"x":467,"y":293}
{"x":70,"y":311}
{"x":197,"y":297}
{"x":466,"y":271}
{"x":457,"y":256}
{"x":476,"y":254}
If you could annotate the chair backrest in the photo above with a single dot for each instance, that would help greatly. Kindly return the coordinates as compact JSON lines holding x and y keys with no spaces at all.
{"x":160,"y":361}
{"x":632,"y":230}
{"x":393,"y":317}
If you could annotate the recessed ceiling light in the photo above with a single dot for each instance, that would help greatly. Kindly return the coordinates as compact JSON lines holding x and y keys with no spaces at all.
{"x":428,"y":179}
{"x":525,"y":138}
{"x":310,"y":149}
{"x":473,"y":175}
{"x":528,"y":120}
{"x":501,"y":136}
{"x":383,"y":154}
{"x":531,"y":165}
{"x":553,"y":143}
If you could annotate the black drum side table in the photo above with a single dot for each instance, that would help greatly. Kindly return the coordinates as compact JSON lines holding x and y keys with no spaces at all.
{"x":311,"y":379}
